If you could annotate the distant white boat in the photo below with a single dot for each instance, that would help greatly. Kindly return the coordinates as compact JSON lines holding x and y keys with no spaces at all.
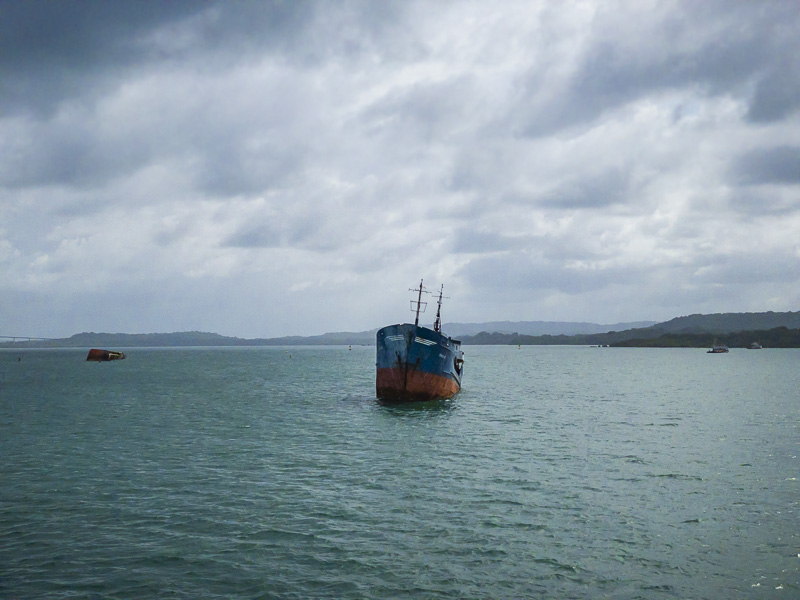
{"x":755,"y":346}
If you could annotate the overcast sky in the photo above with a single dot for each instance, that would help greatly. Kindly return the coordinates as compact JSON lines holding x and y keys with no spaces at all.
{"x":260,"y":169}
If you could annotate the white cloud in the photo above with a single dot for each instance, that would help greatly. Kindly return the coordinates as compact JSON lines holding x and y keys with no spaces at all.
{"x":292,"y":168}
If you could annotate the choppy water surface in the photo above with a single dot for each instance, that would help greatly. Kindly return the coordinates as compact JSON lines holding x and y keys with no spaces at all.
{"x":558,"y":472}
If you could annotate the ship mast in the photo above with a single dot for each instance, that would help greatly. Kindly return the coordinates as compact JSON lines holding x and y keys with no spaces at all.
{"x":437,"y":324}
{"x":420,"y":304}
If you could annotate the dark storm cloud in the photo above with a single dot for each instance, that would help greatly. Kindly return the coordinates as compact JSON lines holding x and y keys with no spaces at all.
{"x":519,"y":272}
{"x":780,"y":165}
{"x":777,"y":94}
{"x":257,"y":236}
{"x":77,"y":58}
{"x":593,"y":191}
{"x":431,"y":110}
{"x":751,"y":267}
{"x":303,"y":230}
{"x":754,"y":202}
{"x":306,"y":224}
{"x":226,"y":152}
{"x":53,"y":50}
{"x":228,"y":168}
{"x":67,"y":151}
{"x":712,"y":47}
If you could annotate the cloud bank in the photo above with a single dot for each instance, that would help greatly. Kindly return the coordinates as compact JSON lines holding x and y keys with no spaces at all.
{"x":271,"y":168}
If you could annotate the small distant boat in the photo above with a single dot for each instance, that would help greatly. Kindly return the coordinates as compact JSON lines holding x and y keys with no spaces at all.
{"x":415,"y":363}
{"x":98,"y":355}
{"x":718,"y":348}
{"x":754,"y":346}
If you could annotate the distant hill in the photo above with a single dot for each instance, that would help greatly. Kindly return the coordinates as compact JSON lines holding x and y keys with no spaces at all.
{"x":366,"y":338}
{"x":492,"y":332}
{"x":127,"y":340}
{"x":341,"y":338}
{"x":538,"y":327}
{"x":729,"y":322}
{"x":188,"y":339}
{"x":693,"y":325}
{"x":778,"y":337}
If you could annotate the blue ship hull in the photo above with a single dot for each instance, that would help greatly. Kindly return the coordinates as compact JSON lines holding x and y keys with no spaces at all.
{"x":416,"y":364}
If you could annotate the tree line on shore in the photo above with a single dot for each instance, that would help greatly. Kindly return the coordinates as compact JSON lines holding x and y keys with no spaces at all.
{"x":736,"y":330}
{"x":778,"y":337}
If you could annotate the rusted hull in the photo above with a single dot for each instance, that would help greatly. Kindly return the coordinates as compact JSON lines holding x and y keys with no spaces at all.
{"x":416,"y":364}
{"x":98,"y":355}
{"x":397,"y":385}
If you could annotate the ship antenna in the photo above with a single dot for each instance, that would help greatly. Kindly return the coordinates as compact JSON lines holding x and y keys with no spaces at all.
{"x":420,"y":304}
{"x":437,"y":324}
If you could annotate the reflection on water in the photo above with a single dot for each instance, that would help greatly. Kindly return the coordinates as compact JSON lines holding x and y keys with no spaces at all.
{"x":430,"y":407}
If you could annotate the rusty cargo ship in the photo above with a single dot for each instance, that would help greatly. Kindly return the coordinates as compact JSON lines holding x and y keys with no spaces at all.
{"x":415,"y":363}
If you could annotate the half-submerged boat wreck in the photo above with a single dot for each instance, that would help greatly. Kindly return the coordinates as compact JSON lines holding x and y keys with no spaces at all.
{"x":718,"y":348}
{"x":415,"y":363}
{"x":97,"y":355}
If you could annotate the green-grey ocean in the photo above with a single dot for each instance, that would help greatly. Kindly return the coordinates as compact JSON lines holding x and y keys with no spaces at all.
{"x":557,"y":472}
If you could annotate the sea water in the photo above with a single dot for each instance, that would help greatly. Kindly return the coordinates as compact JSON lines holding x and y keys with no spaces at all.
{"x":557,"y":472}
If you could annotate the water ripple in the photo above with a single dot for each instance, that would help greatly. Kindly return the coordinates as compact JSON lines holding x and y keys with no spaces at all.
{"x":242,"y":473}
